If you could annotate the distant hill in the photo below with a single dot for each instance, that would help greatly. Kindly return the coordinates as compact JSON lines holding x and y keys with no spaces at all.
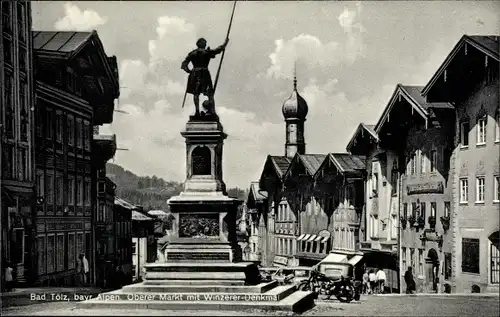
{"x":150,"y":192}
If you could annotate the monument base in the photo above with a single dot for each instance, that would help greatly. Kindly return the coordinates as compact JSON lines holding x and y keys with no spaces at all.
{"x":209,"y":286}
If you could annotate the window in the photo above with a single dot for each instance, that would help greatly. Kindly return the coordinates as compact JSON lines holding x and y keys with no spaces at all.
{"x":39,"y":183}
{"x":413,"y":164}
{"x":134,"y":247}
{"x":23,"y":57}
{"x":422,"y":162}
{"x":88,"y":246}
{"x":71,"y":131}
{"x":349,"y":196}
{"x":420,"y":262}
{"x":433,"y":214}
{"x":497,"y":126}
{"x":481,"y":130}
{"x":464,"y":190}
{"x":60,"y":252}
{"x":494,"y":263}
{"x":88,"y":136}
{"x":480,"y":189}
{"x":375,"y":183}
{"x":41,"y":255}
{"x":87,"y":191}
{"x":49,"y":128}
{"x":464,"y":133}
{"x":414,"y":209}
{"x":394,"y":181}
{"x":79,"y":134}
{"x":59,"y":189}
{"x":21,"y":21}
{"x":9,"y":105}
{"x":447,"y":266}
{"x":79,"y":244}
{"x":470,"y":255}
{"x":433,"y":161}
{"x":51,"y":255}
{"x":79,"y":191}
{"x":71,"y":190}
{"x":49,"y":189}
{"x":8,"y":163}
{"x":422,"y":210}
{"x":496,"y":189}
{"x":22,"y":165}
{"x":412,"y":259}
{"x":6,"y":16}
{"x":71,"y":251}
{"x":403,"y":256}
{"x":7,"y":50}
{"x":24,"y":110}
{"x":447,"y":209}
{"x":405,"y":210}
{"x":59,"y":127}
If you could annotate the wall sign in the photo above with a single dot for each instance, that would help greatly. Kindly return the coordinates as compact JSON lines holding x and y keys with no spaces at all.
{"x":425,"y":188}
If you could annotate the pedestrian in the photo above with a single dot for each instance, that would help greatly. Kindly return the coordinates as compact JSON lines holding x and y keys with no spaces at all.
{"x":79,"y":270}
{"x":366,"y":283}
{"x":8,"y":277}
{"x":86,"y":269}
{"x":373,"y":281}
{"x":410,"y":282}
{"x":381,"y":277}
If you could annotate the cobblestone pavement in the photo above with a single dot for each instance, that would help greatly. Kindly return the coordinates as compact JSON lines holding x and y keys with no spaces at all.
{"x":368,"y":306}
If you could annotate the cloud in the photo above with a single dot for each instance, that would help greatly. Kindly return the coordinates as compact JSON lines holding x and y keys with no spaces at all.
{"x":175,"y":37}
{"x":78,"y":20}
{"x":311,"y":53}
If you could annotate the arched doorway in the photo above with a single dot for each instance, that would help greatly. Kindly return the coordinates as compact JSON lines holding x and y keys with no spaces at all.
{"x":201,"y":161}
{"x":494,"y":259}
{"x":433,"y":268}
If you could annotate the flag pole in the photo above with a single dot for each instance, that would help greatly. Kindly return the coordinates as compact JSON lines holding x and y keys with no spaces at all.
{"x":224,"y":51}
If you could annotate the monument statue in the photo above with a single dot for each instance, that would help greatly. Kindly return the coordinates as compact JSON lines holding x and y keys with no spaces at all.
{"x":199,"y":80}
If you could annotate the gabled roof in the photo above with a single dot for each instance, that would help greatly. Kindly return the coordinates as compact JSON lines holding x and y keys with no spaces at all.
{"x":137,"y":216}
{"x":69,"y":43}
{"x":278,"y":163}
{"x":488,"y":44}
{"x":361,"y":129}
{"x":124,"y":204}
{"x":257,"y":194}
{"x":345,"y":163}
{"x":413,"y":95}
{"x":311,"y":162}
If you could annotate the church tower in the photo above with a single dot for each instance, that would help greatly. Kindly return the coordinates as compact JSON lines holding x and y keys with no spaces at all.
{"x":295,"y":111}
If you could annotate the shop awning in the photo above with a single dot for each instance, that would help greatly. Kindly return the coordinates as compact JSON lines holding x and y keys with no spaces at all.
{"x":312,"y":238}
{"x":355,"y":259}
{"x":303,"y":237}
{"x":335,"y":258}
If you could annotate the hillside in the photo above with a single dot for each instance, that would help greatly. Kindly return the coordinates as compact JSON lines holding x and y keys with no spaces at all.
{"x":150,"y":192}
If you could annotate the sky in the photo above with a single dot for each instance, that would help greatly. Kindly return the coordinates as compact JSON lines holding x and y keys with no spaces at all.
{"x":349,"y":57}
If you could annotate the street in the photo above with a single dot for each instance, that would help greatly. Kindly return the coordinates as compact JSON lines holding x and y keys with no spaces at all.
{"x":368,"y":306}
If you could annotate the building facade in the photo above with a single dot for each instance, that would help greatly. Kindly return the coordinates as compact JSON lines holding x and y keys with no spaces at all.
{"x":76,"y":86}
{"x":17,"y":140}
{"x":469,"y":79}
{"x":255,"y":203}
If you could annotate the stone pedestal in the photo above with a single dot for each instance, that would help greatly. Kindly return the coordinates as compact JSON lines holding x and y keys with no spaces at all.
{"x":204,"y":229}
{"x":203,"y":268}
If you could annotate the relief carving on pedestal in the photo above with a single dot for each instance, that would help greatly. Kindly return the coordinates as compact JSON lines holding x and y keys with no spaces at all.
{"x":198,"y":226}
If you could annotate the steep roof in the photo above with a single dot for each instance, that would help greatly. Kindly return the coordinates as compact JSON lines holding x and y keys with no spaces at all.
{"x":281,"y":163}
{"x":62,"y":42}
{"x":137,"y":216}
{"x":413,"y":95}
{"x":312,"y":161}
{"x":122,"y":203}
{"x":369,"y":128}
{"x":257,"y":194}
{"x":488,"y":44}
{"x":348,"y":163}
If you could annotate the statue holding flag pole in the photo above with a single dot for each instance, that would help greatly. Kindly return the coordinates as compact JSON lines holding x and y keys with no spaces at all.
{"x":199,"y":80}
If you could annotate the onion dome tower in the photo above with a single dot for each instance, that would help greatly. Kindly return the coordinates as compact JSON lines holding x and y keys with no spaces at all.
{"x":295,"y":111}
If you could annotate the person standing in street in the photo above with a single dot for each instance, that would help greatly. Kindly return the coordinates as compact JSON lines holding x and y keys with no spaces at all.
{"x":373,"y":281}
{"x":9,"y":280}
{"x":410,"y":282}
{"x":86,"y":270}
{"x":381,"y":277}
{"x":366,"y":283}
